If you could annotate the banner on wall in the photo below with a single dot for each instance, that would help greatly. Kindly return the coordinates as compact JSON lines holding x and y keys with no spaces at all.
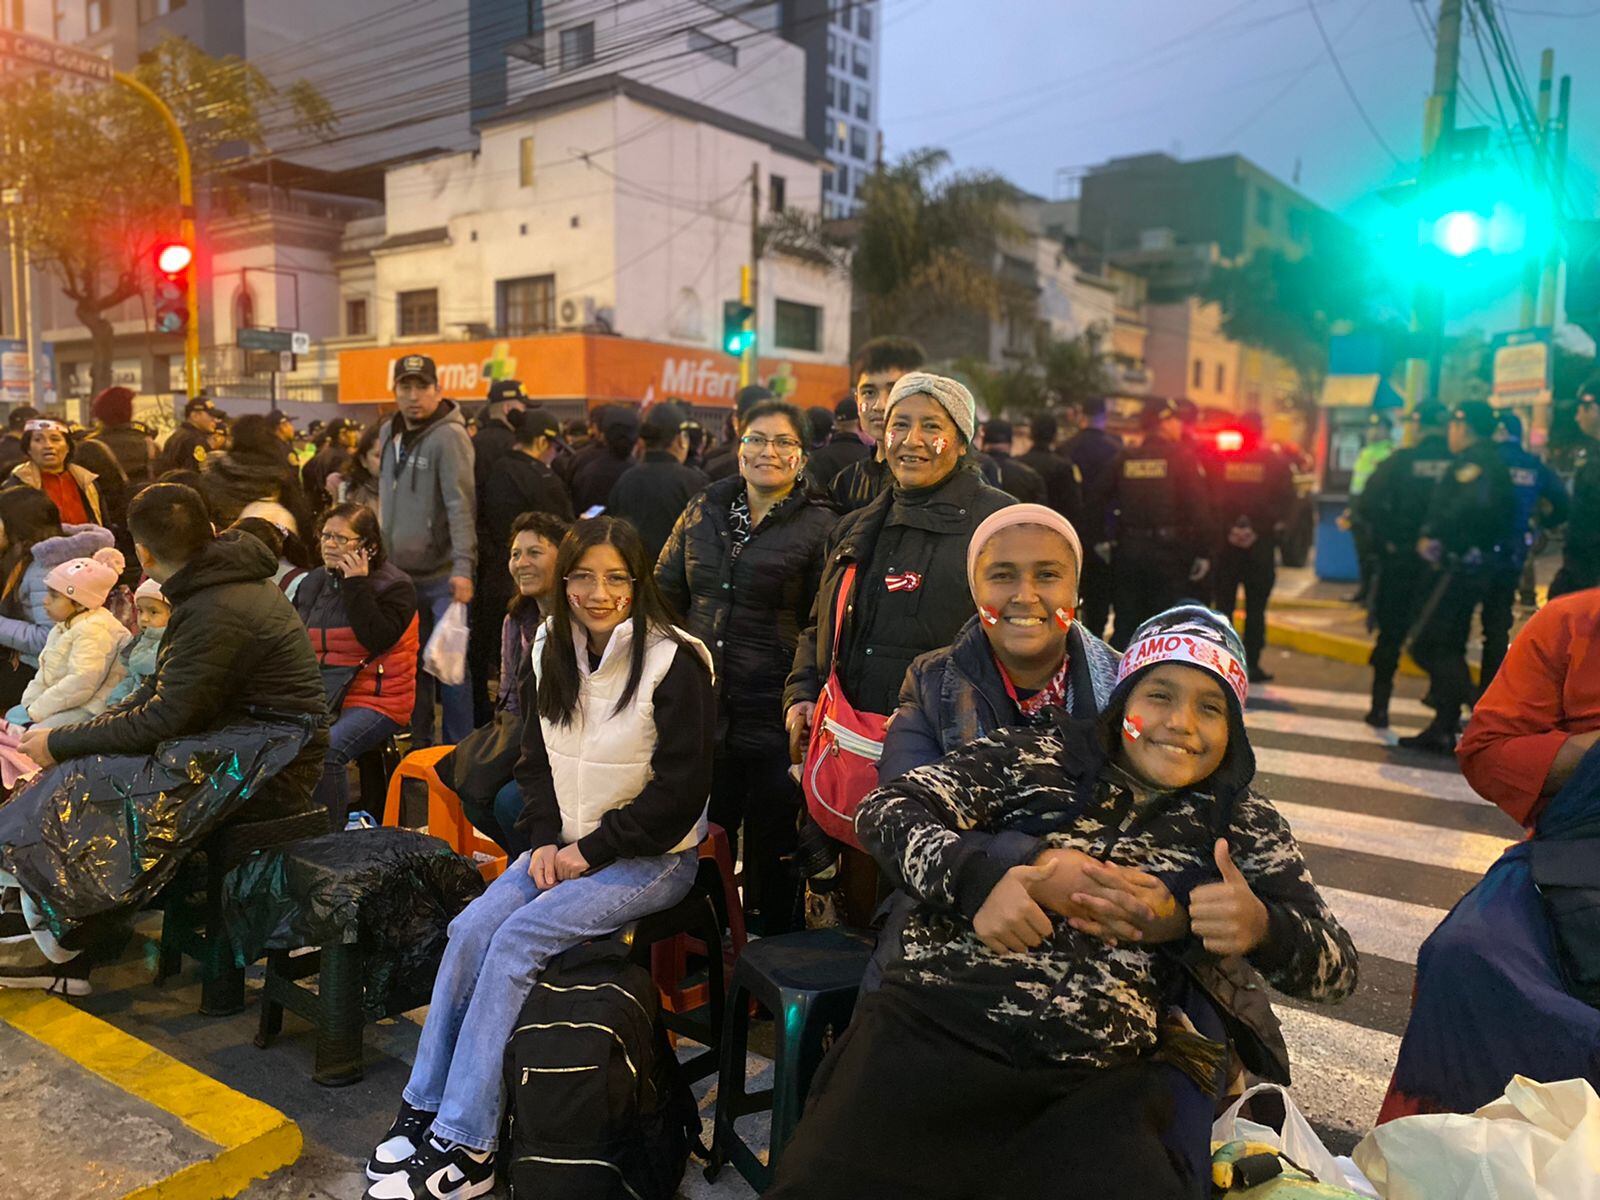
{"x":568,"y":366}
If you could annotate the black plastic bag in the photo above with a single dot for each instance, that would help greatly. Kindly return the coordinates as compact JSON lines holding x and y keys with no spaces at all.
{"x":103,"y":834}
{"x":392,"y":892}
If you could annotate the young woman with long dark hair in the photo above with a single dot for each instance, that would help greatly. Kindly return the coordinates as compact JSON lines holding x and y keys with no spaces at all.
{"x":615,"y":773}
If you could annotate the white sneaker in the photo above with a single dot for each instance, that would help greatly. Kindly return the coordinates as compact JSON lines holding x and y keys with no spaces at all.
{"x":359,"y":819}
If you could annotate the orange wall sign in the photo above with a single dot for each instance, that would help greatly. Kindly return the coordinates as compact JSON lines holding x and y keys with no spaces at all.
{"x":569,"y":366}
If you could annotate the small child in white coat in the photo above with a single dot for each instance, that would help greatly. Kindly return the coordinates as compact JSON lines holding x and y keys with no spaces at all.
{"x":79,"y":665}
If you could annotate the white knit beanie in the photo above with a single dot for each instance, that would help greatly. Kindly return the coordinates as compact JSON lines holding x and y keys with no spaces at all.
{"x":950,"y":394}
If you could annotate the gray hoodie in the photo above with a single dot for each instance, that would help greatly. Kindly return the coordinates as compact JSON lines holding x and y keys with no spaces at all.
{"x":427,"y":502}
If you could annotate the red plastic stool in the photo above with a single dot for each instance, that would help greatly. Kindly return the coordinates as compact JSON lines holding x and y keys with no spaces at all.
{"x":669,"y":960}
{"x":446,"y":821}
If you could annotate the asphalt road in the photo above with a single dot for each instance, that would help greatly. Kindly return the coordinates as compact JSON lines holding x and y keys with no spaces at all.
{"x":1393,"y":838}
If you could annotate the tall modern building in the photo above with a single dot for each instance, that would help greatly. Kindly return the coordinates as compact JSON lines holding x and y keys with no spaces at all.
{"x":849,"y":101}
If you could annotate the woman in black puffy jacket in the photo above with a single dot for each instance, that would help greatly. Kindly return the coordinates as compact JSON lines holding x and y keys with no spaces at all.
{"x":742,"y":567}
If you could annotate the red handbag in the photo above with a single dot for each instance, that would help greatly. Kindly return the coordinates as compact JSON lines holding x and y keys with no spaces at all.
{"x":841,"y":763}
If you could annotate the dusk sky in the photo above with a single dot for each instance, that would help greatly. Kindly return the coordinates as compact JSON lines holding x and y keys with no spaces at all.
{"x":1031,"y":87}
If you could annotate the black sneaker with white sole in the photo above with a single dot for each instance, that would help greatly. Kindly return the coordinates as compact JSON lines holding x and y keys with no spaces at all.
{"x":438,"y":1171}
{"x":400,"y":1143}
{"x":29,"y":968}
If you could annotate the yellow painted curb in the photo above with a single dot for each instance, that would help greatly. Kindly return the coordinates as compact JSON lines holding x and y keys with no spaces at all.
{"x":255,"y":1139}
{"x":1329,"y":645}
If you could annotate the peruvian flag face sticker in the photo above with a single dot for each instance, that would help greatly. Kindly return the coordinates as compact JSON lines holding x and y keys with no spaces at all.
{"x":902,"y":581}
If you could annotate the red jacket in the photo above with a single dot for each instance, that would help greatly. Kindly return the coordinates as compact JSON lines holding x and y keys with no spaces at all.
{"x":1547,"y":690}
{"x":349,"y":619}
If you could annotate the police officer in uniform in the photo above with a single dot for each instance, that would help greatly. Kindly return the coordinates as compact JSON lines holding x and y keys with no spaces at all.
{"x":1541,"y":503}
{"x":1392,"y":506}
{"x":1379,"y":445}
{"x":1252,"y":491}
{"x":1464,"y":535}
{"x":1159,"y":533}
{"x":1580,"y":561}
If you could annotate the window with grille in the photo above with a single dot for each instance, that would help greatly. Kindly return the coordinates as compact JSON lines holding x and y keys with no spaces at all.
{"x":419,"y":312}
{"x":577,"y":46}
{"x":526,"y":305}
{"x":355,"y":317}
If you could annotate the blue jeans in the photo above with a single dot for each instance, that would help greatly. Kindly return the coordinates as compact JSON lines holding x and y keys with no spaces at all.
{"x":498,"y":946}
{"x":433,"y":598}
{"x":499,"y":819}
{"x":356,"y":731}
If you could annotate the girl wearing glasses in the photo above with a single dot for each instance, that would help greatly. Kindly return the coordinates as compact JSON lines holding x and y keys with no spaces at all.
{"x":742,"y":567}
{"x":615,"y":806}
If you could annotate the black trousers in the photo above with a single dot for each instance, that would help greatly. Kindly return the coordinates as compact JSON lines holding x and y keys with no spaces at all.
{"x":1403,"y":580}
{"x":756,"y":791}
{"x":902,"y":1109}
{"x":1255,"y":569}
{"x":1440,"y":647}
{"x":1147,"y":577}
{"x":1578,"y":571}
{"x":1499,"y":601}
{"x":490,"y":594}
{"x":1094,"y":594}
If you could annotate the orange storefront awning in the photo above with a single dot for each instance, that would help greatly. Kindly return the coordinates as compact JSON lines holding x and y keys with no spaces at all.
{"x":586,"y":366}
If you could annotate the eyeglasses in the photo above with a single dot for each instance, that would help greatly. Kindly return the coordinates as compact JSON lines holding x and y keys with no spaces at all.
{"x":759,"y":442}
{"x":328,"y":538}
{"x":587,"y":581}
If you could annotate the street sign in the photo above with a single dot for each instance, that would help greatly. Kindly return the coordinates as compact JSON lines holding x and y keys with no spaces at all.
{"x":300,"y":343}
{"x":286,"y":362}
{"x":1522,"y":367}
{"x":278,"y":341}
{"x":53,"y":56}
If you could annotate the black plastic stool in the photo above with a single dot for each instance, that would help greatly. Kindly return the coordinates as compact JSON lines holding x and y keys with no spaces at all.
{"x":197,"y":930}
{"x":808,"y":981}
{"x":336,"y":1007}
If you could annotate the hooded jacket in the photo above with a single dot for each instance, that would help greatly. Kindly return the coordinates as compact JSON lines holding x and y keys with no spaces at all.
{"x":78,"y":668}
{"x":953,"y":696}
{"x":230,"y":483}
{"x":427,"y":498}
{"x":27,"y":635}
{"x":234,"y":649}
{"x":747,"y":610}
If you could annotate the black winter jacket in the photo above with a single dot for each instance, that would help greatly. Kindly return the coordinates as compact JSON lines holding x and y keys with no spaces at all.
{"x":519,"y":484}
{"x":652,"y":495}
{"x":825,"y":463}
{"x":1062,"y":481}
{"x":1017,"y":478}
{"x":860,"y":483}
{"x":494,"y":441}
{"x":234,"y":647}
{"x":185,"y":449}
{"x":749,"y":612}
{"x":132,"y":447}
{"x":229,"y":483}
{"x":910,"y":594}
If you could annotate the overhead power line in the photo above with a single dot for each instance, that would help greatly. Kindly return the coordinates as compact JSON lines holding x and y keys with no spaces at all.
{"x":1333,"y":57}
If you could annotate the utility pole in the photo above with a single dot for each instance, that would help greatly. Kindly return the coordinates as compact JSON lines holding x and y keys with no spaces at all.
{"x":1438,"y":128}
{"x":1558,"y":186}
{"x":749,"y":362}
{"x":1533,"y":266}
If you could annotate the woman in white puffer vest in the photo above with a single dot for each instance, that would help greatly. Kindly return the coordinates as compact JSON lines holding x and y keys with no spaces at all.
{"x":619,"y":727}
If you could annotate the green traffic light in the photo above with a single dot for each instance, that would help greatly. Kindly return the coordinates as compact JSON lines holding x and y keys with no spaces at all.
{"x":1459,"y":234}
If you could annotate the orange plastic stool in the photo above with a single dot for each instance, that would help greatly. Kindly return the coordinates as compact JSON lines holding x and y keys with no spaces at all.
{"x":669,"y":960}
{"x":446,"y":821}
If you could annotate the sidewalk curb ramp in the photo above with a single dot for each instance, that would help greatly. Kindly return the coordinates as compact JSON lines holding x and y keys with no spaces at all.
{"x":254,"y":1139}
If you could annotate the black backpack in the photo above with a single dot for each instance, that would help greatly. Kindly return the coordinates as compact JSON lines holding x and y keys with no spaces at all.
{"x":597,"y":1106}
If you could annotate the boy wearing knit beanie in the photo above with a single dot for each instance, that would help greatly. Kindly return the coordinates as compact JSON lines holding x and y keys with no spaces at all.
{"x":78,"y":667}
{"x":1029,"y":1006}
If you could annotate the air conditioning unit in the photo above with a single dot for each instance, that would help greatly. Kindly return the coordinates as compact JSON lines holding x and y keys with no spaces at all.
{"x":576,"y":312}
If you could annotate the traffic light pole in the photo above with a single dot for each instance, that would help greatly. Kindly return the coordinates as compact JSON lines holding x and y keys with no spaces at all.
{"x":749,"y":285}
{"x":180,"y":147}
{"x":1438,"y":124}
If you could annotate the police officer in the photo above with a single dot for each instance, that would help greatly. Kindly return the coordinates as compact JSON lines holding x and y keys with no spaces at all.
{"x":1393,"y":505}
{"x":1252,"y":492}
{"x":1093,"y":452}
{"x":187,"y":445}
{"x":1541,"y":503}
{"x":1011,"y":475}
{"x":1464,"y":535}
{"x":1580,"y":561}
{"x":1158,"y":533}
{"x":1378,"y":445}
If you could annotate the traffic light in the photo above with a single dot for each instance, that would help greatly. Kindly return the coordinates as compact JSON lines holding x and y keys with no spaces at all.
{"x":737,"y":336}
{"x":172,"y":287}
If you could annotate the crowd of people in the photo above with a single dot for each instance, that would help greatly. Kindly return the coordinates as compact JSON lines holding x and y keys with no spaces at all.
{"x":871,"y":644}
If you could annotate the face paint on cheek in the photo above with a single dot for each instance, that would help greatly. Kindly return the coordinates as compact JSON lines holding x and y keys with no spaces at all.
{"x":889,"y":439}
{"x":1064,"y":618}
{"x":1132,"y":728}
{"x":940,"y":445}
{"x":989,"y":616}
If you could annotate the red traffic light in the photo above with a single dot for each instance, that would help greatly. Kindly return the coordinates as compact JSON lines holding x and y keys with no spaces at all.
{"x":174,"y":258}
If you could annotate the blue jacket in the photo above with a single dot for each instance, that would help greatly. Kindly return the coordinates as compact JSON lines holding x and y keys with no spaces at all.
{"x":954,"y":696}
{"x":26,"y":635}
{"x":139,"y":657}
{"x":1532,"y":480}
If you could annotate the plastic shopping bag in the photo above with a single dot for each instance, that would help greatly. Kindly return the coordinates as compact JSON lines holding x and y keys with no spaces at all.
{"x":1298,"y":1141}
{"x":445,"y":657}
{"x":1539,"y":1141}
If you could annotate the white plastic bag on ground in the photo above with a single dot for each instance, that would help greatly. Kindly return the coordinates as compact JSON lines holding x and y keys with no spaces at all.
{"x":445,"y":657}
{"x":1299,"y":1142}
{"x":1539,"y":1141}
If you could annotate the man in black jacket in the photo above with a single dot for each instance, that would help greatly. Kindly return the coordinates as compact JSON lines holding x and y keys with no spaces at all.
{"x":497,"y":428}
{"x":843,"y":448}
{"x":187,"y":446}
{"x":1015,"y":476}
{"x":234,"y":648}
{"x":1093,"y":454}
{"x":1034,"y":445}
{"x":1580,"y":560}
{"x":523,"y":482}
{"x":652,"y":493}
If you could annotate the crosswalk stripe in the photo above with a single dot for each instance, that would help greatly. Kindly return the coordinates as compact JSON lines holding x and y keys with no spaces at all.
{"x":1378,"y":776}
{"x":1404,"y":841}
{"x":1341,"y":1070}
{"x":1320,"y":698}
{"x":1391,"y":928}
{"x":1331,"y":729}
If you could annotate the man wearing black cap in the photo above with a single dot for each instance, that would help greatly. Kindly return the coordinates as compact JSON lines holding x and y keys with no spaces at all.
{"x":653,"y":492}
{"x":594,"y":478}
{"x":1252,"y":490}
{"x":497,"y":427}
{"x":1158,"y":530}
{"x":1463,"y":536}
{"x":1093,"y":454}
{"x":428,"y":512}
{"x":187,"y":446}
{"x":724,"y":460}
{"x":522,"y":482}
{"x":1015,"y":477}
{"x":1580,"y":561}
{"x":844,"y":445}
{"x":1392,"y":506}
